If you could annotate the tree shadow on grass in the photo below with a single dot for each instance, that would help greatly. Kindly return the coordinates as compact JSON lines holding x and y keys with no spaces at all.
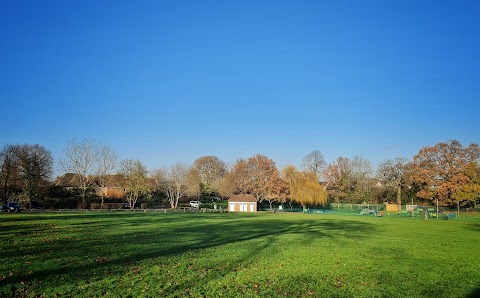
{"x":113,"y":242}
{"x":474,"y":294}
{"x":474,"y":227}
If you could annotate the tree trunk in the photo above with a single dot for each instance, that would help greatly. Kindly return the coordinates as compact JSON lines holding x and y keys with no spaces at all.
{"x":83,"y":194}
{"x":83,"y":200}
{"x":399,"y":198}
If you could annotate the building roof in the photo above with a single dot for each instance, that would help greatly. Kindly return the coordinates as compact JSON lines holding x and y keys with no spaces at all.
{"x":116,"y":180}
{"x":75,"y":180}
{"x":68,"y":180}
{"x":242,"y":198}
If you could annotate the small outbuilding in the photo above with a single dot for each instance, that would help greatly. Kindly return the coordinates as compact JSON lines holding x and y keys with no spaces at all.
{"x":392,"y":207}
{"x":242,"y":203}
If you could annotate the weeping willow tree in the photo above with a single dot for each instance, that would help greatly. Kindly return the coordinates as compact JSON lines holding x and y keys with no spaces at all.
{"x":304,"y":187}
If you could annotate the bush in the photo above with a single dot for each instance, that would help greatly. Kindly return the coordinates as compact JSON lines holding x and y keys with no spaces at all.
{"x":61,"y":203}
{"x":443,"y":216}
{"x":106,"y":205}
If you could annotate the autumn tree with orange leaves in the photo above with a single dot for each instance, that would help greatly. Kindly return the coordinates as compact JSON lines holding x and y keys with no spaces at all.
{"x":257,"y":175}
{"x":233,"y":181}
{"x":276,"y":189}
{"x":469,"y":191}
{"x":441,"y":172}
{"x":339,"y":175}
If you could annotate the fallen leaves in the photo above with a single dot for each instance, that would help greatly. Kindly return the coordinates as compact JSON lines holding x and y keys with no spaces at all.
{"x":137,"y":270}
{"x":102,"y":259}
{"x":339,"y":282}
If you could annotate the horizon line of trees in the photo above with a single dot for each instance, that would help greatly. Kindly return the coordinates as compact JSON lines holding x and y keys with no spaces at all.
{"x":447,"y":172}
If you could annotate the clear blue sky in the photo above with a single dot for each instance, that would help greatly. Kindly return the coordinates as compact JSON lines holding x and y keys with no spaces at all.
{"x":169,"y":81}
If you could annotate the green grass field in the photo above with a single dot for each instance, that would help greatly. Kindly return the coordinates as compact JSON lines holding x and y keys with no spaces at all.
{"x":237,"y":255}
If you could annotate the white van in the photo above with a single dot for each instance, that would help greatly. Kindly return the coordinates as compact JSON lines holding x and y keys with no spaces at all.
{"x":195,"y":204}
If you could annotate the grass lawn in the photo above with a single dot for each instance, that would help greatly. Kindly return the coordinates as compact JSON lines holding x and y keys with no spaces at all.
{"x":237,"y":255}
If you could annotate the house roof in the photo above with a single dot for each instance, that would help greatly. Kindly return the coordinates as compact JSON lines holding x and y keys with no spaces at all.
{"x":68,"y":180}
{"x":242,"y":198}
{"x":116,"y":180}
{"x":74,"y":180}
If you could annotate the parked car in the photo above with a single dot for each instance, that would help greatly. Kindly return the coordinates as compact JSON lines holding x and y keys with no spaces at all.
{"x":126,"y":206}
{"x":12,"y":207}
{"x":195,"y":204}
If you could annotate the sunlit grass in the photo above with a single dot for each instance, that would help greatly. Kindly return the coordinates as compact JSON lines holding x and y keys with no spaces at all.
{"x":232,"y":255}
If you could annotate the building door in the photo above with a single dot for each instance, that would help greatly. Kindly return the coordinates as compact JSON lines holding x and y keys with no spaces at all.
{"x":232,"y":207}
{"x":243,"y":207}
{"x":252,"y":207}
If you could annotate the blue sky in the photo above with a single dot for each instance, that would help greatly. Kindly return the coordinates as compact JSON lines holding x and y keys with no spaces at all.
{"x":170,"y":81}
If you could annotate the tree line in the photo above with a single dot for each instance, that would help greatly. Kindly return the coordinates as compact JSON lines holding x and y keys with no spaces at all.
{"x":447,"y":172}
